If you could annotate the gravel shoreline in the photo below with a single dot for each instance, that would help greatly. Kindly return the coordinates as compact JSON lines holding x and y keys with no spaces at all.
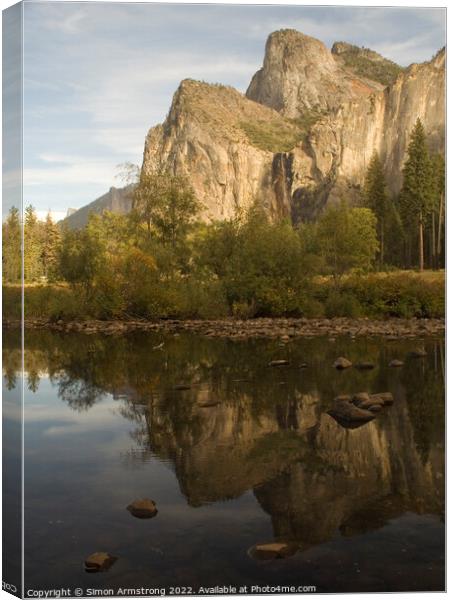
{"x":253,"y":328}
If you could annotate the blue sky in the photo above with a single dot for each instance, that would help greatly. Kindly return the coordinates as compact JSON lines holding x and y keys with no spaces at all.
{"x":97,"y":76}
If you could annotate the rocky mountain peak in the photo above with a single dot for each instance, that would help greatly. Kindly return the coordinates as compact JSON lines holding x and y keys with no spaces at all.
{"x":300,"y":74}
{"x":303,"y":134}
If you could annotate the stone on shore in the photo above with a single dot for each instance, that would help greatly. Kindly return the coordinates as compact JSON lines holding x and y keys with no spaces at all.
{"x":143,"y":508}
{"x":342,"y":363}
{"x":99,"y":561}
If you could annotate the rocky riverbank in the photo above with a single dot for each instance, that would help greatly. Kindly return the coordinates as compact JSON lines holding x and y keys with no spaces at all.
{"x":284,"y":329}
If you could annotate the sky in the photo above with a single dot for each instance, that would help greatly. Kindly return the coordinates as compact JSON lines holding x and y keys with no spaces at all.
{"x":97,"y":76}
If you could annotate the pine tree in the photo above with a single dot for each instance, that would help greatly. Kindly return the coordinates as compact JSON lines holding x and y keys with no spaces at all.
{"x":376,"y":198}
{"x":416,"y":197}
{"x":11,"y":247}
{"x":32,"y":246}
{"x":51,"y":238}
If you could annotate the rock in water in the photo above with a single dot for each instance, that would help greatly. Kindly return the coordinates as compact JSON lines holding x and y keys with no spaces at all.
{"x":342,"y":363}
{"x":385,"y":397}
{"x":182,"y":386}
{"x":279,"y":363}
{"x":396,"y":363}
{"x":359,"y":398}
{"x":346,"y":413}
{"x":273,"y":550}
{"x":366,"y":402}
{"x":143,"y":508}
{"x":99,"y":561}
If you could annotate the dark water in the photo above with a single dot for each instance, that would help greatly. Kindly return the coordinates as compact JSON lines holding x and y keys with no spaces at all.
{"x":104,"y":425}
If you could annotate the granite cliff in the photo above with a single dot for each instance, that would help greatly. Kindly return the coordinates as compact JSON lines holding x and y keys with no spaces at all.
{"x":304,"y":132}
{"x":117,"y":200}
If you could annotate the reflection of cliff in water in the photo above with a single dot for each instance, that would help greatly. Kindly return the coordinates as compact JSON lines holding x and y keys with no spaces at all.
{"x":244,"y":426}
{"x":308,"y":473}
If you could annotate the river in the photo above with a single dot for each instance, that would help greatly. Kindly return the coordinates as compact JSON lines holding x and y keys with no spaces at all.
{"x":234,"y":453}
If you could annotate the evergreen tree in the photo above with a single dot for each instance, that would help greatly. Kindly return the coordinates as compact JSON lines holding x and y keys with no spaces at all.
{"x":51,"y":238}
{"x":11,"y":247}
{"x":32,"y":246}
{"x":377,"y":200}
{"x":416,"y":196}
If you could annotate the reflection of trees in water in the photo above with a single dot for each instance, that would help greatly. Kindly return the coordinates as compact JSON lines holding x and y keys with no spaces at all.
{"x":80,"y":395}
{"x":424,"y":385}
{"x":265,"y":429}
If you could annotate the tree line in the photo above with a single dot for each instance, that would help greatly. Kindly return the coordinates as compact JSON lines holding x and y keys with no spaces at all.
{"x":411,"y":226}
{"x":42,"y":246}
{"x":161,"y":260}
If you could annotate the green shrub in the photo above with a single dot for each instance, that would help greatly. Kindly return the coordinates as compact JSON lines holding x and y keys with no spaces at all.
{"x":404,"y":295}
{"x":342,"y":304}
{"x":312,"y":308}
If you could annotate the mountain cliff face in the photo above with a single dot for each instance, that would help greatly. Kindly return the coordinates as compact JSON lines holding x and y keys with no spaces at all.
{"x":305,"y":131}
{"x":117,"y":200}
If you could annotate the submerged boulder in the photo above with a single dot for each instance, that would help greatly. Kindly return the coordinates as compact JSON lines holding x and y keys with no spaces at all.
{"x":99,"y":561}
{"x":143,"y":508}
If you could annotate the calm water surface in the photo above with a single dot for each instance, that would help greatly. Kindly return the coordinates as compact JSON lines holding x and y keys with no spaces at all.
{"x":262,"y":462}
